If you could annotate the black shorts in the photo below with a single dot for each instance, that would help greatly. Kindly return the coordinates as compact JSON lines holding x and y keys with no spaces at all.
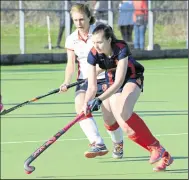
{"x":138,"y":81}
{"x":101,"y":86}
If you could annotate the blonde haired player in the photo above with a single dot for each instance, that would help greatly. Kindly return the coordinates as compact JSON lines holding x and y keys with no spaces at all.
{"x":78,"y":45}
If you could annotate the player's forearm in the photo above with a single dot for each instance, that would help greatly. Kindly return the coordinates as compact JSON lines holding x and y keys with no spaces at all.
{"x":111,"y":90}
{"x":90,"y":94}
{"x":69,"y":72}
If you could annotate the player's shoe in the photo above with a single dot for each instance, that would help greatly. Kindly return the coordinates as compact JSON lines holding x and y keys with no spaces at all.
{"x":1,"y":107}
{"x":156,"y":153}
{"x":96,"y":150}
{"x":165,"y":161}
{"x":118,"y":150}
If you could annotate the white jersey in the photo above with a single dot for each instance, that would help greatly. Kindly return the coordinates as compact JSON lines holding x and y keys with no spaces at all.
{"x":81,"y":49}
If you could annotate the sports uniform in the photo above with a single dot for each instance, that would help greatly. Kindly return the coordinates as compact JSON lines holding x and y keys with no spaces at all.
{"x":81,"y":48}
{"x":120,"y":51}
{"x":124,"y":96}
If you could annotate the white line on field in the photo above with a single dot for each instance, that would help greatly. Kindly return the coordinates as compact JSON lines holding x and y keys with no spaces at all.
{"x":80,"y":139}
{"x":42,"y":72}
{"x":145,"y":73}
{"x":61,"y":71}
{"x":169,"y":67}
{"x":165,"y":74}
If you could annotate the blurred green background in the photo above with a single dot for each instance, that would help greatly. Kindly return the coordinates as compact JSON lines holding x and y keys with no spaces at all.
{"x":170,"y":27}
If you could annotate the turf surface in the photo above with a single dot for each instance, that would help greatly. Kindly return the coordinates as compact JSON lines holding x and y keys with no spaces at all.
{"x":163,"y":105}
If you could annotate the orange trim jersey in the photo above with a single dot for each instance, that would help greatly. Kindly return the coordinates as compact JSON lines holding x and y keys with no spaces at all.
{"x":120,"y":51}
{"x":81,"y":49}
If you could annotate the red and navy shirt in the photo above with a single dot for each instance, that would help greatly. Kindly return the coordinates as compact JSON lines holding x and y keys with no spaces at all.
{"x":120,"y":51}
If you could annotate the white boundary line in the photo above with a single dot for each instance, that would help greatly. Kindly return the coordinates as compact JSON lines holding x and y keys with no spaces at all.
{"x":169,"y":67}
{"x":46,"y":72}
{"x":33,"y":72}
{"x":60,"y":71}
{"x":80,"y":139}
{"x":165,"y":74}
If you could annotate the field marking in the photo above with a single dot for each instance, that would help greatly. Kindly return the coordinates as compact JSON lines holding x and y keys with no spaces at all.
{"x":58,"y":71}
{"x":34,"y":72}
{"x":145,"y":73}
{"x":165,"y":74}
{"x":80,"y":139}
{"x":169,"y":67}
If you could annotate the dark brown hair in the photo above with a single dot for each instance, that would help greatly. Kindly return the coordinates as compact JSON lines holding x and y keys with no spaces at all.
{"x":108,"y":31}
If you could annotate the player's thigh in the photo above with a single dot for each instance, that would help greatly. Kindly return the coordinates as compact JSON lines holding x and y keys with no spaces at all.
{"x":116,"y":108}
{"x":113,"y":100}
{"x":79,"y":100}
{"x":128,"y":99}
{"x":114,"y":104}
{"x":107,"y":113}
{"x":122,"y":103}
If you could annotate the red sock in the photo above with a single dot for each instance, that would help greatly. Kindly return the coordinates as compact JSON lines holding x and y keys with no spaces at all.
{"x":137,"y":140}
{"x":142,"y":135}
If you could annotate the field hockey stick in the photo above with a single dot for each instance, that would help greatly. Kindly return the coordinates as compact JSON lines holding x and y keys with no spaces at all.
{"x":29,"y":169}
{"x":39,"y":97}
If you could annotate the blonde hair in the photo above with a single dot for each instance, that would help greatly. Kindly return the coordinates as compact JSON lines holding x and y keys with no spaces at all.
{"x":83,"y":8}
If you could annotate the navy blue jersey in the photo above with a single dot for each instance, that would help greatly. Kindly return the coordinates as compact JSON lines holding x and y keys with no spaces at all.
{"x":120,"y":51}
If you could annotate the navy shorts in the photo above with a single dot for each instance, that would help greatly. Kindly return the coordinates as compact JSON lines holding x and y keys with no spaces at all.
{"x":101,"y":86}
{"x":138,"y":81}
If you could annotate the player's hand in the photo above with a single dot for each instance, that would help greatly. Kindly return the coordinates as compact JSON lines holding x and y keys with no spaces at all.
{"x":85,"y":109}
{"x":94,"y":105}
{"x":63,"y":87}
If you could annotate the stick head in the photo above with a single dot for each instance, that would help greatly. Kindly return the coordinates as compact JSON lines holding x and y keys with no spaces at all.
{"x":28,"y":169}
{"x":28,"y":172}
